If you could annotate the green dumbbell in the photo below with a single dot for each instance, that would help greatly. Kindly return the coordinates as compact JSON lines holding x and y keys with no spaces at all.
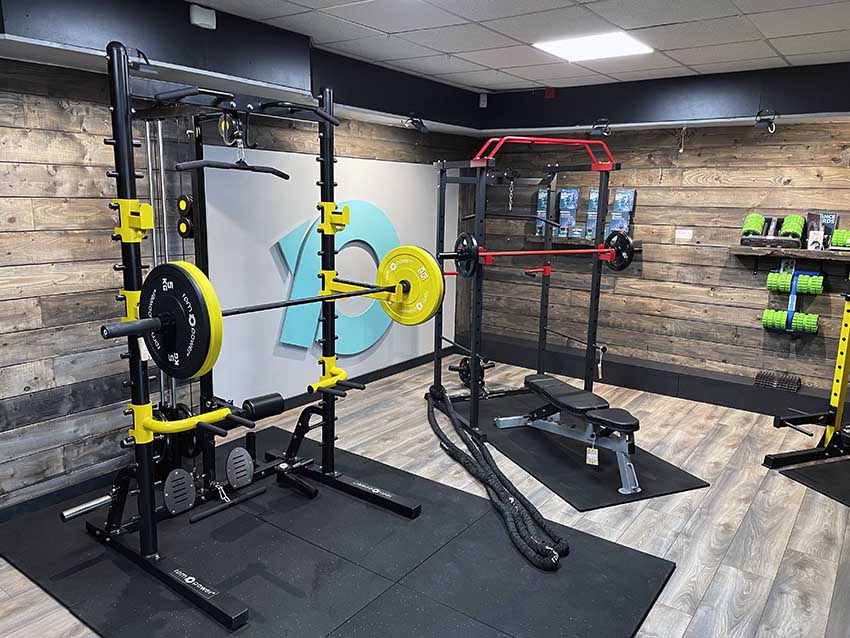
{"x":792,"y":226}
{"x":753,"y":225}
{"x":774,"y":319}
{"x":840,"y":236}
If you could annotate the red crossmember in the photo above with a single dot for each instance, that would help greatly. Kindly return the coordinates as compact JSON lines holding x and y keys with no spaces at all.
{"x":497,"y":142}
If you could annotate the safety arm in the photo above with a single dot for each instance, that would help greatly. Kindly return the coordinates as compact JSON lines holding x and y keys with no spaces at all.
{"x":145,"y":425}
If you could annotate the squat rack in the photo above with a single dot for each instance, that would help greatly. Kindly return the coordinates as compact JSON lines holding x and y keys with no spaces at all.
{"x":602,"y":162}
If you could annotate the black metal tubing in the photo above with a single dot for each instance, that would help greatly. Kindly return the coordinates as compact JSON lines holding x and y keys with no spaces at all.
{"x":477,"y":306}
{"x":552,"y":208}
{"x":439,"y":246}
{"x":596,"y":283}
{"x":131,"y":255}
{"x":219,"y":605}
{"x":328,"y":255}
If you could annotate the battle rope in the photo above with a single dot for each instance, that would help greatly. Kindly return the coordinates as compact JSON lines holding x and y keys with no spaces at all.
{"x":534,"y":536}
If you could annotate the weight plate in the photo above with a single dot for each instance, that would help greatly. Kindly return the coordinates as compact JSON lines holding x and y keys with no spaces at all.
{"x":178,"y":492}
{"x":180,"y":294}
{"x":239,"y":468}
{"x":624,"y":249}
{"x":466,"y":247}
{"x":419,"y":268}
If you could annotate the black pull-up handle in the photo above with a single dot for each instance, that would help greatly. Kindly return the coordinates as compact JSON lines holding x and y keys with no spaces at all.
{"x":175,"y":95}
{"x":292,"y":107}
{"x":230,"y":166}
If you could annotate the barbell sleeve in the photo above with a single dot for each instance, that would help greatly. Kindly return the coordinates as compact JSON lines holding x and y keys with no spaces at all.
{"x":135,"y":328}
{"x":84,"y":508}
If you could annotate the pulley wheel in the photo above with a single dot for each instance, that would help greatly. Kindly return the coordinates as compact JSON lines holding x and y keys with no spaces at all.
{"x":624,"y":250}
{"x":419,"y":268}
{"x":228,"y":128}
{"x":183,"y":298}
{"x":466,"y":262}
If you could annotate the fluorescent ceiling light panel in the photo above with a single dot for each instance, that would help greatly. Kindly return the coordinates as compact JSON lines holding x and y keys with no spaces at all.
{"x":595,"y":47}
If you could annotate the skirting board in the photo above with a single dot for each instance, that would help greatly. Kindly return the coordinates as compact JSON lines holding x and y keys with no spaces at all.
{"x":726,"y":390}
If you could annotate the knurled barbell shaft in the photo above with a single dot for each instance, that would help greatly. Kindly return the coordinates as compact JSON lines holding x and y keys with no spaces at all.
{"x":565,"y":251}
{"x":298,"y":302}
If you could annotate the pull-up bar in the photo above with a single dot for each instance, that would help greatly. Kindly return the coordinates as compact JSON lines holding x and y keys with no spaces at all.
{"x":596,"y":165}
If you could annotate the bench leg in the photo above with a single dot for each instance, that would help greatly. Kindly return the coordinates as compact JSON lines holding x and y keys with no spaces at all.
{"x":505,"y":422}
{"x":628,"y":476}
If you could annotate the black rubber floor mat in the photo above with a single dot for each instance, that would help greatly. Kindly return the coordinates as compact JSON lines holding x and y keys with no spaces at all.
{"x":832,"y":479}
{"x":321,"y":569}
{"x":560,"y":463}
{"x":600,"y":590}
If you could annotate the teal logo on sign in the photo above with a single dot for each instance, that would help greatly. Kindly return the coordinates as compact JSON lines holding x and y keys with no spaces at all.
{"x":369,"y":227}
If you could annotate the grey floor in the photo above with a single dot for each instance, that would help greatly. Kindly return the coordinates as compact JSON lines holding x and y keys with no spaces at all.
{"x":757,"y":554}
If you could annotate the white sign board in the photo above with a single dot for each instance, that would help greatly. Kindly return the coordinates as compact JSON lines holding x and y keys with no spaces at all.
{"x":258,"y":229}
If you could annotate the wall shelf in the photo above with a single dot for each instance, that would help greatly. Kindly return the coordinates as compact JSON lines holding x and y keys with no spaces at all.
{"x":790,"y":253}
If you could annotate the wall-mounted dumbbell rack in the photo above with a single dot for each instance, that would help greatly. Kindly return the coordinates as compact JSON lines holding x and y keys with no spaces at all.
{"x":793,"y":282}
{"x":779,"y":232}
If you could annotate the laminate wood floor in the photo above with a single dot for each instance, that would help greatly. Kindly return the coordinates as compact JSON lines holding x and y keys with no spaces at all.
{"x":757,"y":554}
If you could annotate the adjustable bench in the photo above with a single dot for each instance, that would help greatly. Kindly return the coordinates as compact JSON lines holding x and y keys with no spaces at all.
{"x":585,"y":417}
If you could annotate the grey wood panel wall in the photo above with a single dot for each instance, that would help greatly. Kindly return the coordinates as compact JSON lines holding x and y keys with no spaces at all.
{"x":686,"y":300}
{"x":61,"y":394}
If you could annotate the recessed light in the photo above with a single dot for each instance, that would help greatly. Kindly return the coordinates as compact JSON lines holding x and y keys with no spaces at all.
{"x":594,"y":47}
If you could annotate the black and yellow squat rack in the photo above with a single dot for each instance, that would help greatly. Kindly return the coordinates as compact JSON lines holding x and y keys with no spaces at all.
{"x":173,"y":317}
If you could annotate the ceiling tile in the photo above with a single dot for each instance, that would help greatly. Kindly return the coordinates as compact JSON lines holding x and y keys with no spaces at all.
{"x":521,"y":55}
{"x":756,"y":6}
{"x":318,"y":4}
{"x":547,"y":71}
{"x":322,"y":27}
{"x":254,"y":9}
{"x":701,"y":33}
{"x":436,"y":64}
{"x":382,"y":47}
{"x":586,"y":80}
{"x":819,"y":58}
{"x":630,"y":63}
{"x":817,"y":43}
{"x":491,"y":9}
{"x":551,"y":25}
{"x":830,"y":17}
{"x":485,"y":79}
{"x":723,"y":53}
{"x":744,"y":65}
{"x":653,"y":74}
{"x":633,"y":14}
{"x":462,"y":37}
{"x":387,"y":15}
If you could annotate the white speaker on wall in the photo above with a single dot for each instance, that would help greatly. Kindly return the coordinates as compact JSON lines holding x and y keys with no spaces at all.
{"x":201,"y":17}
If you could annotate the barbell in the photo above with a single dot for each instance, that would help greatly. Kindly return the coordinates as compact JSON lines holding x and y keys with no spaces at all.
{"x":617,"y":252}
{"x":181,"y":320}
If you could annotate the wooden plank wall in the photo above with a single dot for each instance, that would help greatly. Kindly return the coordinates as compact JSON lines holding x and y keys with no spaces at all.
{"x":686,"y":300}
{"x":61,"y":393}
